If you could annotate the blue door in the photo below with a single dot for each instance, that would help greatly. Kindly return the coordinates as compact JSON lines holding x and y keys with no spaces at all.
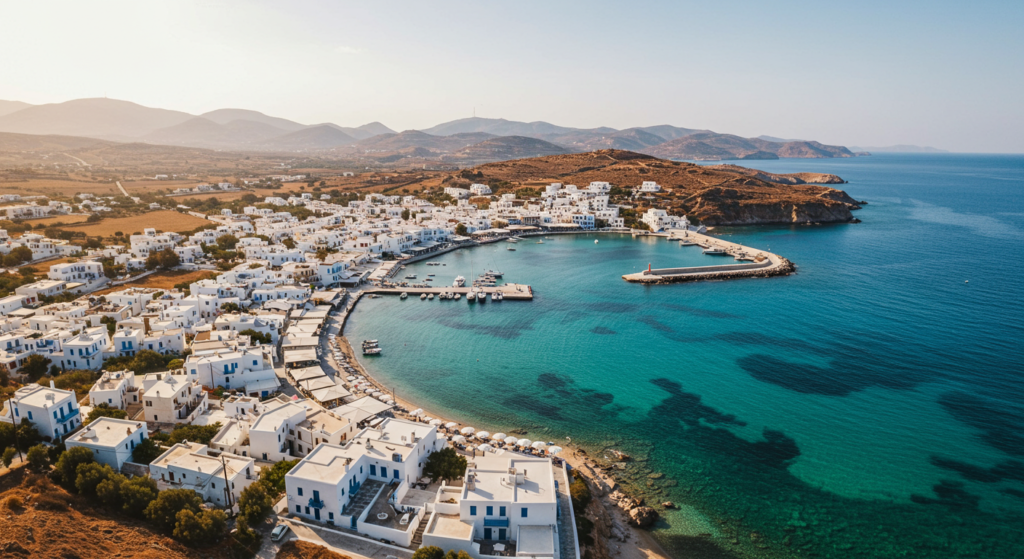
{"x":502,"y":534}
{"x":487,"y":533}
{"x":316,"y":513}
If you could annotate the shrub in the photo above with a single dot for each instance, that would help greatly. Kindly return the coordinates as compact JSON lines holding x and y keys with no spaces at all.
{"x":104,"y":410}
{"x":51,"y":501}
{"x":66,"y":468}
{"x":255,"y":501}
{"x":90,"y":475}
{"x":146,"y":451}
{"x":429,"y":552}
{"x":194,"y":433}
{"x":445,"y":464}
{"x":8,"y":456}
{"x":109,"y":491}
{"x":580,"y":493}
{"x":137,"y":494}
{"x":38,"y":458}
{"x":199,"y":528}
{"x":14,"y":503}
{"x":163,"y":511}
{"x":274,"y":476}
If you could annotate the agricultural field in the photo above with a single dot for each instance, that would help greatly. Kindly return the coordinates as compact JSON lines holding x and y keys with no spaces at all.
{"x":56,"y":187}
{"x":163,"y":220}
{"x":163,"y":280}
{"x":61,"y":219}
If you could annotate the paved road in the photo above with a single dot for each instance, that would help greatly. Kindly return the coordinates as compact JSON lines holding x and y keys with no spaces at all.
{"x":80,"y":162}
{"x":123,"y":191}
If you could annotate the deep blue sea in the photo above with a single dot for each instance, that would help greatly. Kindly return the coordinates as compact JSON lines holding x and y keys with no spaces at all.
{"x":871,"y":405}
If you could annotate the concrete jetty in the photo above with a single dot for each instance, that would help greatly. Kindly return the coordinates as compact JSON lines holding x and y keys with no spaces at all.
{"x":756,"y":263}
{"x":509,"y":291}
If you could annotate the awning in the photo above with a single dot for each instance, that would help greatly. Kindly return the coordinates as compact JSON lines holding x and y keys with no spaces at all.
{"x":269,"y":384}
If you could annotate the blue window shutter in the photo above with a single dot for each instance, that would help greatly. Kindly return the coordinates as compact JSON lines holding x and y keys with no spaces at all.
{"x":300,"y":492}
{"x":501,"y":511}
{"x":525,"y":511}
{"x":472,"y":511}
{"x":490,"y":510}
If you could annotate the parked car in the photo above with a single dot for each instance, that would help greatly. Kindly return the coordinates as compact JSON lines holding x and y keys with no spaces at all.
{"x":279,"y":531}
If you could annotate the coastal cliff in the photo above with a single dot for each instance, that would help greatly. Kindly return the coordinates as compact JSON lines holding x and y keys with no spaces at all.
{"x":712,"y":195}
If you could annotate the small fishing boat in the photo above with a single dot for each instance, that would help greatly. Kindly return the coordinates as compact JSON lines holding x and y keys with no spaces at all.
{"x":481,"y":297}
{"x":423,"y":296}
{"x":510,"y":248}
{"x":430,"y":297}
{"x":540,"y":242}
{"x":371,"y":351}
{"x":493,"y":273}
{"x":596,"y":241}
{"x":403,"y":296}
{"x":471,"y":297}
{"x":412,"y":276}
{"x":686,"y":243}
{"x":497,"y":296}
{"x":459,"y":282}
{"x":458,"y":296}
{"x":715,"y":251}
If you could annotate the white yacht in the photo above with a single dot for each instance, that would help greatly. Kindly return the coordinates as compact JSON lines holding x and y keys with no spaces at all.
{"x":459,"y":282}
{"x":403,"y":296}
{"x":715,"y":251}
{"x":423,"y":296}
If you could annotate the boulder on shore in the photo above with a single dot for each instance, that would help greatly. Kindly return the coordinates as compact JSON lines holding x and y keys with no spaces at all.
{"x":642,"y":517}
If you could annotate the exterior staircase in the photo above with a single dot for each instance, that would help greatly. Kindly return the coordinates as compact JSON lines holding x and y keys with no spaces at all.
{"x":417,"y":537}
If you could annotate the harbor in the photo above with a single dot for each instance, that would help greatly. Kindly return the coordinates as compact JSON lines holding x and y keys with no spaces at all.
{"x":753,"y":262}
{"x":509,"y":291}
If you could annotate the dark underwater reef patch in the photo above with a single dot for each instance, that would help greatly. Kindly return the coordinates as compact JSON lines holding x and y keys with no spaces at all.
{"x":653,"y":323}
{"x":838,"y":379}
{"x":506,"y":332}
{"x":1000,"y":427}
{"x":949,"y":493}
{"x":688,"y":408}
{"x":761,"y":339}
{"x":603,"y":331}
{"x":571,"y":397}
{"x":1013,"y":492}
{"x":695,"y":311}
{"x":1010,"y":470}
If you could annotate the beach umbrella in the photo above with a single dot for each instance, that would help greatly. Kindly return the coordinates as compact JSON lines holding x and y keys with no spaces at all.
{"x":511,"y":440}
{"x":376,"y":393}
{"x":383,"y":398}
{"x":524,"y":442}
{"x":416,"y":412}
{"x":459,"y":439}
{"x":467,"y":431}
{"x":485,"y":447}
{"x":539,"y":445}
{"x":450,"y":424}
{"x":483,"y":435}
{"x":350,"y":378}
{"x":499,"y":436}
{"x":428,"y":419}
{"x":554,"y":449}
{"x":368,"y":390}
{"x":435,"y":421}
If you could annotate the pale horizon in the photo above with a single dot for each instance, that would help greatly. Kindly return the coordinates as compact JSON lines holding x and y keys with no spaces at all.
{"x":867,"y":75}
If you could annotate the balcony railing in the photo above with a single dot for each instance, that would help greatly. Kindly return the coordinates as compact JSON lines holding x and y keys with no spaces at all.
{"x":67,"y":416}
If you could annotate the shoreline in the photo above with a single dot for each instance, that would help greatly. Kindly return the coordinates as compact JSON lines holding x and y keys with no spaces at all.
{"x":630,"y":542}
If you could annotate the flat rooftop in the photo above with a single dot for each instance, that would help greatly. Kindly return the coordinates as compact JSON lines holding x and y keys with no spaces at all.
{"x":107,"y":431}
{"x":492,"y":480}
{"x":449,"y":526}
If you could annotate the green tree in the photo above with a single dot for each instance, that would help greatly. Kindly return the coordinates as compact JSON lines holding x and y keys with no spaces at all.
{"x":199,"y":529}
{"x":147,"y":361}
{"x":246,"y":540}
{"x":104,"y":410}
{"x":66,"y":467}
{"x":256,"y":336}
{"x":461,"y":230}
{"x":35,"y":366}
{"x":580,"y":494}
{"x":111,"y":323}
{"x":255,"y":501}
{"x":8,"y":456}
{"x":146,"y":451}
{"x":288,"y":242}
{"x":231,"y":307}
{"x":274,"y":476}
{"x":163,"y":511}
{"x":165,"y":259}
{"x":90,"y":476}
{"x":93,"y":218}
{"x":37,"y":457}
{"x":446,"y":464}
{"x":18,"y":255}
{"x":227,"y":242}
{"x":406,"y":214}
{"x":202,"y":434}
{"x":137,"y":494}
{"x":429,"y":552}
{"x":176,"y":364}
{"x":460,"y":554}
{"x":109,"y":490}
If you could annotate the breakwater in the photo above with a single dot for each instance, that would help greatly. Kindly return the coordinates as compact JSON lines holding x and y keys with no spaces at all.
{"x":759,"y":263}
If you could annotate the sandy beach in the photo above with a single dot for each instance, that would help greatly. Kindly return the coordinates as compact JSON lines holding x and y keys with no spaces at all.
{"x":622,"y":540}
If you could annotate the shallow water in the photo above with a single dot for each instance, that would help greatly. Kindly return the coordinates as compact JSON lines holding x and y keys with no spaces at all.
{"x":868,"y":406}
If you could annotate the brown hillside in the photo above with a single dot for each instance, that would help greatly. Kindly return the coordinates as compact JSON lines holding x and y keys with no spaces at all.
{"x":54,"y":523}
{"x":715,"y":197}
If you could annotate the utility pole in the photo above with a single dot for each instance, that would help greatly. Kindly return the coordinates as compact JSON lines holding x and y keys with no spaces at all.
{"x":227,"y":484}
{"x":15,"y":423}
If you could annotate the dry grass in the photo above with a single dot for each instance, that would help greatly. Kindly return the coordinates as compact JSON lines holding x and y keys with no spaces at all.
{"x":65,"y":219}
{"x":44,"y":267}
{"x":298,"y":549}
{"x":56,"y":187}
{"x":163,"y":280}
{"x":164,"y":220}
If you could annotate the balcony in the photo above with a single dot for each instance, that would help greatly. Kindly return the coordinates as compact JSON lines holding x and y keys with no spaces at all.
{"x":68,"y":416}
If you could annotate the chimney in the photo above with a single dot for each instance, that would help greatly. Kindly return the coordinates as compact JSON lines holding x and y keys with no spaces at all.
{"x":51,"y":385}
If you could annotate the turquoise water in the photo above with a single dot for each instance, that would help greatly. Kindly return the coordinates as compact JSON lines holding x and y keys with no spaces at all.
{"x":868,"y":406}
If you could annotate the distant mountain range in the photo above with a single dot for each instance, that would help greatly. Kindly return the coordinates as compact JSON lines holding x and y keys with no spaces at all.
{"x":464,"y":140}
{"x":900,"y":148}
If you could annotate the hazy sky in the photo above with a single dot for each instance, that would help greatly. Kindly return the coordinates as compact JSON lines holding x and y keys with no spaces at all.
{"x":946,"y":74}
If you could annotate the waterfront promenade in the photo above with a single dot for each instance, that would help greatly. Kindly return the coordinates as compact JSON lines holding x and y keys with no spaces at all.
{"x":510,"y":291}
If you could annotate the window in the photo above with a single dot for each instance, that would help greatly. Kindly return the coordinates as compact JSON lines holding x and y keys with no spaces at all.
{"x":490,"y":510}
{"x":501,"y":511}
{"x":298,"y":508}
{"x":524,"y":512}
{"x":373,"y":470}
{"x":300,"y":492}
{"x":383,"y":472}
{"x":472,"y":511}
{"x":30,"y":415}
{"x":395,"y":473}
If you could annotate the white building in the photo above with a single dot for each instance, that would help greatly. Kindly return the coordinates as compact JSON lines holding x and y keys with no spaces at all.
{"x":53,"y":412}
{"x":479,"y":189}
{"x":83,"y":272}
{"x":219,"y":480}
{"x":116,"y":389}
{"x":112,"y":441}
{"x":173,"y":399}
{"x":650,"y":186}
{"x":85,"y":351}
